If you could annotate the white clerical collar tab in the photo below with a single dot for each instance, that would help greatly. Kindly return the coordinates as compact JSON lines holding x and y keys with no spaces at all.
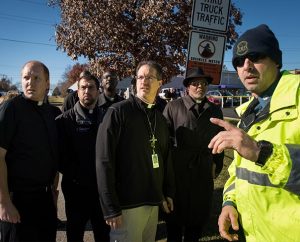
{"x":150,"y":105}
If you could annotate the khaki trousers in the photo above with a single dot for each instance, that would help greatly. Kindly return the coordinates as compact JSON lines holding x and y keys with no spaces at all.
{"x":138,"y":225}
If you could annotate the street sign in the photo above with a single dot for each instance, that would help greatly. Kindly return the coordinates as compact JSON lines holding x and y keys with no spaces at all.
{"x":211,"y":14}
{"x":207,"y":52}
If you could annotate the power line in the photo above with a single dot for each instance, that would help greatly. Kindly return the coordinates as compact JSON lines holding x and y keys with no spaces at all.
{"x":32,"y":2}
{"x":26,"y":42}
{"x":26,"y":21}
{"x":38,"y":20}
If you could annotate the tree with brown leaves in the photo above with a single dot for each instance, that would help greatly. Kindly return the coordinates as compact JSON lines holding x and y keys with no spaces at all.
{"x":119,"y":34}
{"x":70,"y":76}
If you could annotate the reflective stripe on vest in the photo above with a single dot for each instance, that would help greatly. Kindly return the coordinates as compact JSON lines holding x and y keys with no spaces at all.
{"x":254,"y":177}
{"x":231,"y":187}
{"x":293,"y":183}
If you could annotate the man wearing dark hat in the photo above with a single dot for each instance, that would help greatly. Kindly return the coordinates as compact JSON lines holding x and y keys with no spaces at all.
{"x":261,"y":197}
{"x":194,"y":165}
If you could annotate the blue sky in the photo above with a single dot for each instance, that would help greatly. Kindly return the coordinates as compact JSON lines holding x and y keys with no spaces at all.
{"x":27,"y":32}
{"x":282,"y":17}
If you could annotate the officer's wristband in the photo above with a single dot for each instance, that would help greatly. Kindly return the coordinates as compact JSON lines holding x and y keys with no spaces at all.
{"x":266,"y":150}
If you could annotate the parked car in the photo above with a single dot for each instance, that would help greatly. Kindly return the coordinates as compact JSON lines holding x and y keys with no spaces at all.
{"x":216,"y":96}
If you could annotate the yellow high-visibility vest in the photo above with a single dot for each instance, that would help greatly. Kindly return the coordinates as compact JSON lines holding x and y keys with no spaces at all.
{"x":268,"y":197}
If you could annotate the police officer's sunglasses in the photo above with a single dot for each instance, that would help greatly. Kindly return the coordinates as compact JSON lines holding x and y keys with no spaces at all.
{"x":253,"y":57}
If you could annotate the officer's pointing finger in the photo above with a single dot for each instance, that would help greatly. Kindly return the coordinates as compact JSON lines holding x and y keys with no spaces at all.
{"x":227,"y":126}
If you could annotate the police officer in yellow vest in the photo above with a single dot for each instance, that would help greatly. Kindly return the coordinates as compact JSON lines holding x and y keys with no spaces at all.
{"x":262,"y":195}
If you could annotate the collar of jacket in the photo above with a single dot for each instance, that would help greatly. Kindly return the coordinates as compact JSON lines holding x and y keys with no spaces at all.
{"x":285,"y":94}
{"x":81,"y":118}
{"x":102,"y":100}
{"x":189,"y":103}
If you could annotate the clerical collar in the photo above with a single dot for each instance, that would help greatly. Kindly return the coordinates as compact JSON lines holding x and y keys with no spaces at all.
{"x":38,"y":103}
{"x":86,"y":110}
{"x":145,"y":103}
{"x":149,"y":105}
{"x":197,"y":100}
{"x":111,"y":99}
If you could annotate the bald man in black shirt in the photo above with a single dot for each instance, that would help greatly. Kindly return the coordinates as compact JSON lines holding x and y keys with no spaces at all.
{"x":28,"y":159}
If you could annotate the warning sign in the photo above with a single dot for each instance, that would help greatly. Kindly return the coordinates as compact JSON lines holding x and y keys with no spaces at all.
{"x":211,"y":14}
{"x":206,"y":51}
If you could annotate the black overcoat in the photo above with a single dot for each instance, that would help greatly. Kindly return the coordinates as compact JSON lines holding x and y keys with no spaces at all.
{"x":191,"y":132}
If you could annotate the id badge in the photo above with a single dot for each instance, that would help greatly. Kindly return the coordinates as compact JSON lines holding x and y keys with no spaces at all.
{"x":155,"y":161}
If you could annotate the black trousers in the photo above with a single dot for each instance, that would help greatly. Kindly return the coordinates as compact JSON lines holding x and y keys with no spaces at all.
{"x":8,"y":232}
{"x":38,"y":216}
{"x":176,"y":232}
{"x":82,"y":205}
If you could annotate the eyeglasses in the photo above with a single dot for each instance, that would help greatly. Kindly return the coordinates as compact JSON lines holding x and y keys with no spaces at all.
{"x":148,"y":78}
{"x":199,"y":83}
{"x":253,"y":57}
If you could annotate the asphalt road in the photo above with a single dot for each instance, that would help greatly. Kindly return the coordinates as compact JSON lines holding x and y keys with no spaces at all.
{"x":61,"y":233}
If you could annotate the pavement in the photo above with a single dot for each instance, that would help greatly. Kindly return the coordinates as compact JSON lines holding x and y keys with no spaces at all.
{"x":61,"y":233}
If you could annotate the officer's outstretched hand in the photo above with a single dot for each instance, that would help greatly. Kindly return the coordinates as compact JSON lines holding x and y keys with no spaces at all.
{"x":9,"y":213}
{"x":228,"y":218}
{"x":233,"y":138}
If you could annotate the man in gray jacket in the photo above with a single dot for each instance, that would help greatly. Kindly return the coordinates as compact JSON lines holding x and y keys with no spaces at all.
{"x":77,"y":130}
